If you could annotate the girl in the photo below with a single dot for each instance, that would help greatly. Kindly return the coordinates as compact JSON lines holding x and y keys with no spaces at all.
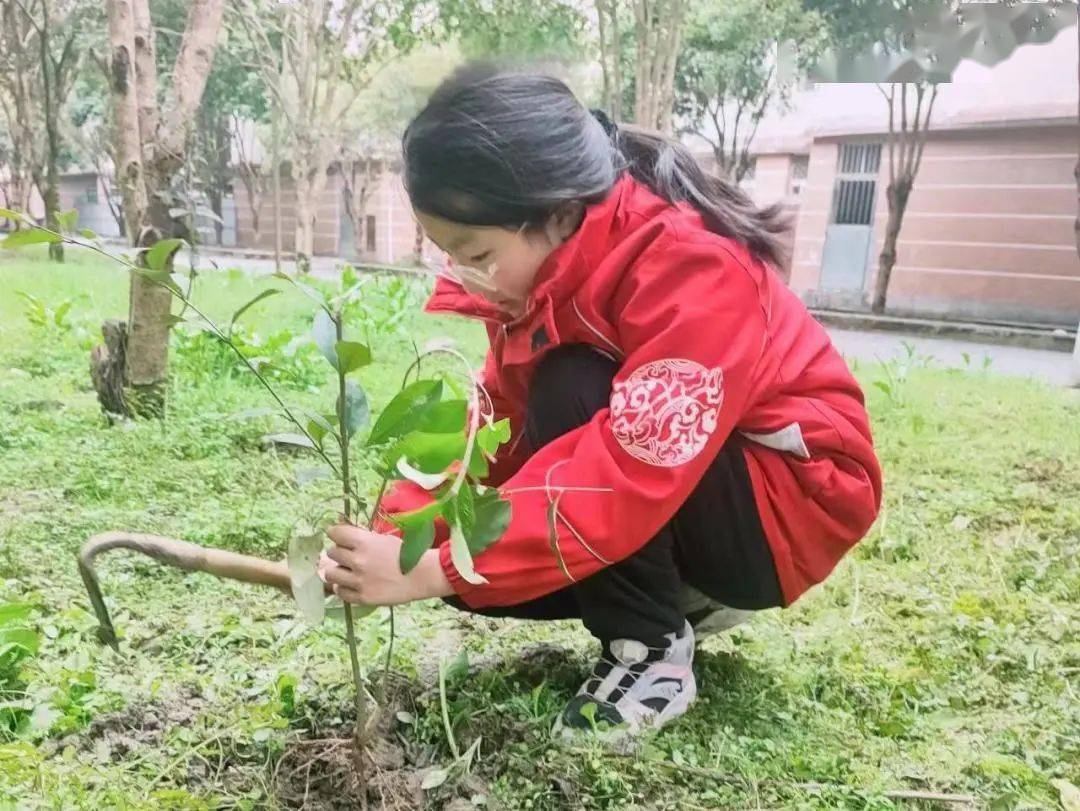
{"x":716,"y":447}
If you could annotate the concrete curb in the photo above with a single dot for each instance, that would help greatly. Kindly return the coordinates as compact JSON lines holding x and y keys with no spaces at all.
{"x":1056,"y":339}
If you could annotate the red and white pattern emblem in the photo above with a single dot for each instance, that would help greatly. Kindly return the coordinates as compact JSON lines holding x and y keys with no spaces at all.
{"x":665,"y":412}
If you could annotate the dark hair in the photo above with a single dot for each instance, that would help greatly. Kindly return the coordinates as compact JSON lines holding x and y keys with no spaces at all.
{"x":506,"y":148}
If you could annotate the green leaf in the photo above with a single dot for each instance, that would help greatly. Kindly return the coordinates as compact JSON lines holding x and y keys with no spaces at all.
{"x":159,"y":255}
{"x":465,"y":511}
{"x":22,"y":637}
{"x":14,"y":612}
{"x":307,"y":586}
{"x":252,"y":302}
{"x":162,"y":277}
{"x":490,"y":437}
{"x":356,"y":411}
{"x":404,"y":412}
{"x":351,"y":355}
{"x":318,"y":426}
{"x":61,"y":311}
{"x":445,"y":417}
{"x":492,"y":519}
{"x":416,"y":540}
{"x":335,"y":609}
{"x":488,"y":440}
{"x":462,"y":558}
{"x":67,"y":220}
{"x":8,"y":214}
{"x":299,"y":440}
{"x":325,"y":334}
{"x":429,"y":453}
{"x":29,"y":236}
{"x":86,"y":233}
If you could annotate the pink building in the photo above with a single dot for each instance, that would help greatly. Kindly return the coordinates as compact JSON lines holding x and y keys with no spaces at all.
{"x":988,"y":231}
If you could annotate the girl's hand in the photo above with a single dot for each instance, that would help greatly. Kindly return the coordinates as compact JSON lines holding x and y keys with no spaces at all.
{"x":363,"y":567}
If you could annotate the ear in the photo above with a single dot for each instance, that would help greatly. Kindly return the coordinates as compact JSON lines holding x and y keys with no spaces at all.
{"x":565,"y":221}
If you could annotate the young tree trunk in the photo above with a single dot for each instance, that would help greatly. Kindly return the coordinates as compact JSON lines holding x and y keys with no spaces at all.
{"x":151,"y":146}
{"x":897,"y":194}
{"x":607,"y":12}
{"x":658,"y":27}
{"x":218,"y":186}
{"x":50,"y":192}
{"x":305,"y":222}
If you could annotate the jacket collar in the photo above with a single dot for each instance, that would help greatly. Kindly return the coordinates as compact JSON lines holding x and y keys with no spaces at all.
{"x":568,"y":265}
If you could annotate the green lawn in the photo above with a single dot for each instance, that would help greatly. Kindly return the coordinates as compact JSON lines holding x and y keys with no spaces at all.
{"x":942,"y":656}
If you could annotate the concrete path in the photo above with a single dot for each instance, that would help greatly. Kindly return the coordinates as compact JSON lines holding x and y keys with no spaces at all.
{"x":1052,"y":367}
{"x":1041,"y":364}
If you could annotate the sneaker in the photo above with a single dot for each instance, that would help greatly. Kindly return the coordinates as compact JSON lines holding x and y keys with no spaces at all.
{"x":707,"y":616}
{"x":634,"y":687}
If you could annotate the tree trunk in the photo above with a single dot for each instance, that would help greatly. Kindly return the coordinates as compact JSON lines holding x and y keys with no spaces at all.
{"x":150,"y":148}
{"x":897,"y":194}
{"x":218,"y":187}
{"x":658,"y":25}
{"x":50,"y":192}
{"x":305,"y":222}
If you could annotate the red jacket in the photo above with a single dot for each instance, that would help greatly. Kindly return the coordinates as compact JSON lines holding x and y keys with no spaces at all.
{"x":711,"y":342}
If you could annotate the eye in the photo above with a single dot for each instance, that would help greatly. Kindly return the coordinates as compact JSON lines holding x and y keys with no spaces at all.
{"x":480,"y":257}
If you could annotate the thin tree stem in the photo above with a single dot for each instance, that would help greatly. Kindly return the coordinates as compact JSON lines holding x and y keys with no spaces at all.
{"x":347,"y":501}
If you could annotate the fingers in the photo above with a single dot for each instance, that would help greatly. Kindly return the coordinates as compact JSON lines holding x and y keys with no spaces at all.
{"x":346,"y":535}
{"x":341,"y":576}
{"x":347,"y":594}
{"x":340,"y":556}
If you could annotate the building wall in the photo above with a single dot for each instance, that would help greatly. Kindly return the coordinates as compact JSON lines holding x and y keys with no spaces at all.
{"x":86,"y":194}
{"x":388,"y":204}
{"x":773,"y":184}
{"x":988,"y":231}
{"x":327,"y":215}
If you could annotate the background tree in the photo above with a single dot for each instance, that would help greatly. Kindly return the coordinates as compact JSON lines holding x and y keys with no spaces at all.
{"x":152,"y":139}
{"x":738,"y":60}
{"x":19,"y":67}
{"x":912,"y":46}
{"x":658,"y":30}
{"x":545,"y":30}
{"x":639,"y":48}
{"x":317,"y":58}
{"x":40,"y":51}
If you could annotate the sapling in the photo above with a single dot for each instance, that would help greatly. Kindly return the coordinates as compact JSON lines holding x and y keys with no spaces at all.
{"x":443,"y":444}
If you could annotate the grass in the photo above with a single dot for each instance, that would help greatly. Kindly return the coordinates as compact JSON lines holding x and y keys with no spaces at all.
{"x":941,"y":656}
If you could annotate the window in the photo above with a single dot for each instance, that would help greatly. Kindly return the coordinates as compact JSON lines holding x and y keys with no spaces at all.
{"x":800,"y":164}
{"x":856,"y":184}
{"x":369,"y":230}
{"x":859,"y":159}
{"x":91,"y":194}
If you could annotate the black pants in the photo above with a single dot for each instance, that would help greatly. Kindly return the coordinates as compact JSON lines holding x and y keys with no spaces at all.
{"x":714,"y":543}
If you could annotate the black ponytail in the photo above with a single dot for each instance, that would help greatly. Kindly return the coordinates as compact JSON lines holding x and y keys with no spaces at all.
{"x":672,"y":172}
{"x":504,"y":148}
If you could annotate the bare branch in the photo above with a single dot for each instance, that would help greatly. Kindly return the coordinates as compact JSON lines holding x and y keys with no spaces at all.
{"x":926,"y":129}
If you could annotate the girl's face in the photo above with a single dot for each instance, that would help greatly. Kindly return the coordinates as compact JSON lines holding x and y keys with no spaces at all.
{"x":497,"y":263}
